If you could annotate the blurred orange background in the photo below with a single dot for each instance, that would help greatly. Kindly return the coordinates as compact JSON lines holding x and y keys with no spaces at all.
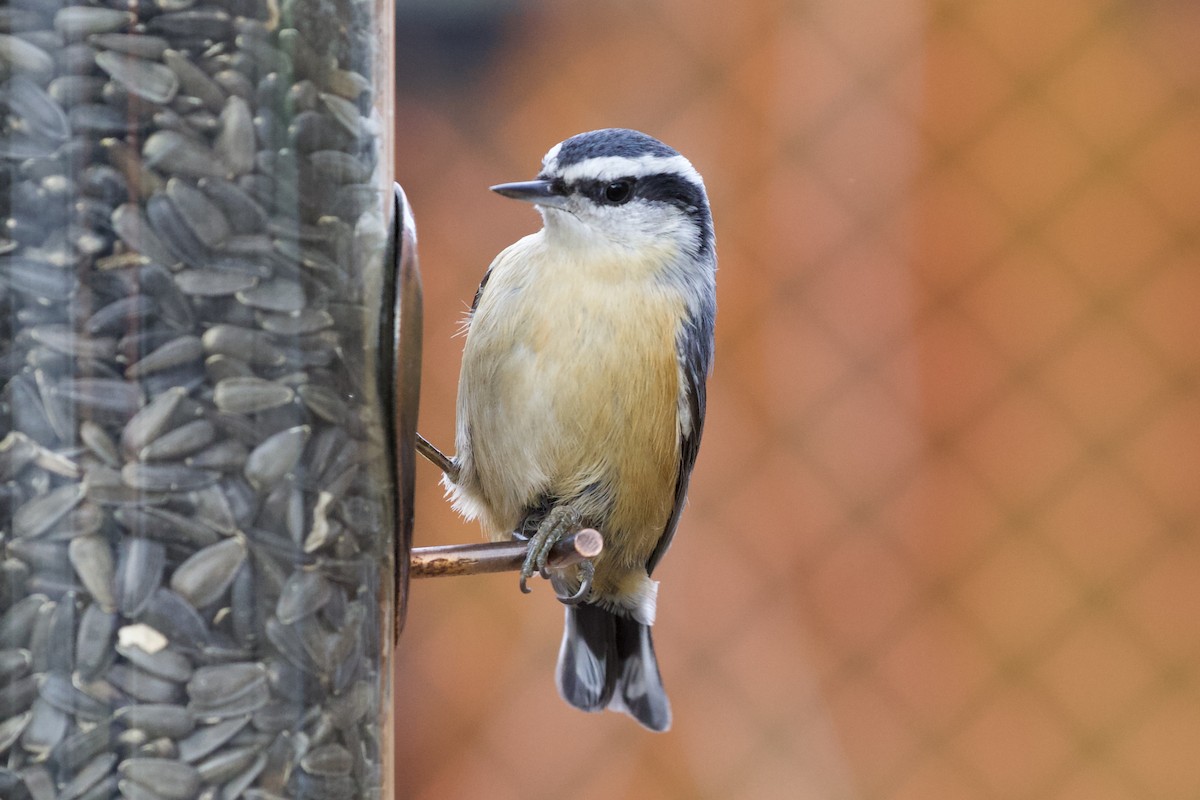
{"x":942,"y":539}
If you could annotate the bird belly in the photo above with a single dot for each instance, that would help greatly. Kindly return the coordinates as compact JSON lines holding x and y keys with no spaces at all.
{"x":581,"y":406}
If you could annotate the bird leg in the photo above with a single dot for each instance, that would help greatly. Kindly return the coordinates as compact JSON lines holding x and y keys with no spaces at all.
{"x":559,"y":522}
{"x":437,"y":458}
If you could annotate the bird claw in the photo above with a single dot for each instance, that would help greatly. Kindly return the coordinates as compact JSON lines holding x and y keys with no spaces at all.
{"x":558,"y":524}
{"x":587,"y":571}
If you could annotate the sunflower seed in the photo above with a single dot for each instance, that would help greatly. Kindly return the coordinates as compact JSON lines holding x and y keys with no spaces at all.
{"x":131,"y":224}
{"x":306,"y":786}
{"x":139,"y":569}
{"x":176,"y":619}
{"x":278,"y":455}
{"x":158,"y":719}
{"x":336,"y":167}
{"x":165,"y":663}
{"x":149,"y":422}
{"x":139,"y":76}
{"x":63,"y":339}
{"x":99,"y":119}
{"x":167,"y":778}
{"x":37,"y":109}
{"x":97,"y":440}
{"x":212,"y":508}
{"x":224,"y":456}
{"x":200,"y":23}
{"x":14,"y":663}
{"x":243,"y":606}
{"x":17,"y":451}
{"x":50,"y":644}
{"x":227,"y":690}
{"x":93,"y":645}
{"x":279,"y":295}
{"x":183,"y":441}
{"x":106,"y":398}
{"x":183,"y":155}
{"x":177,"y":352}
{"x":32,"y":278}
{"x":235,"y":143}
{"x":76,"y":750}
{"x":245,"y":216}
{"x":238,"y":785}
{"x":199,"y":213}
{"x":250,"y":394}
{"x":194,"y":80}
{"x":57,"y":410}
{"x":134,"y":44}
{"x":18,"y":696}
{"x":21,"y":57}
{"x":47,"y":727}
{"x":220,"y":367}
{"x":225,"y":765}
{"x":16,"y":20}
{"x":328,"y":761}
{"x":57,"y":690}
{"x":11,"y":730}
{"x":208,"y":573}
{"x":84,"y":520}
{"x":78,"y":22}
{"x":304,"y":593}
{"x":213,"y":282}
{"x":16,"y":624}
{"x":253,"y":347}
{"x":175,"y":233}
{"x":114,"y":317}
{"x":92,"y":558}
{"x":297,"y":323}
{"x":141,"y":685}
{"x":325,"y":402}
{"x":349,"y":707}
{"x":38,"y":782}
{"x":288,"y":643}
{"x":209,"y":738}
{"x":42,"y":513}
{"x":165,"y":477}
{"x":88,"y":776}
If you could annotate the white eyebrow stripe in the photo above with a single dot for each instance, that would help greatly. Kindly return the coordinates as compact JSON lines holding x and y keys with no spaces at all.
{"x":551,"y":154}
{"x":609,"y":168}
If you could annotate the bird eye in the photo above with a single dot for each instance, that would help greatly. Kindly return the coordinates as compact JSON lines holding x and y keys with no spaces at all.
{"x":618,"y":192}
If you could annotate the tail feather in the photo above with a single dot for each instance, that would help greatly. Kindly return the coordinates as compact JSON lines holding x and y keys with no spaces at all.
{"x":607,"y":661}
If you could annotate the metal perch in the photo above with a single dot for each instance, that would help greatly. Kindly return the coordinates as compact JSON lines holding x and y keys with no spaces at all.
{"x":479,"y":559}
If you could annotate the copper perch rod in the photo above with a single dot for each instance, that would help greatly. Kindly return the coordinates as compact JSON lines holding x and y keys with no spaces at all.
{"x":477,"y":559}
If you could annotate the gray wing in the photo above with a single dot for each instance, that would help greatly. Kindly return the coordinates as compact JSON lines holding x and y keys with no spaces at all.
{"x":694,"y":346}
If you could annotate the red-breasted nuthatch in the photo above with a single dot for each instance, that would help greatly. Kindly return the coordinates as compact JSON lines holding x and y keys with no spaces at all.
{"x":582,"y":394}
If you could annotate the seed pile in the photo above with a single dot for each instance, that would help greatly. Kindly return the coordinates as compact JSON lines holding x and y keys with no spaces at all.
{"x":193,"y":516}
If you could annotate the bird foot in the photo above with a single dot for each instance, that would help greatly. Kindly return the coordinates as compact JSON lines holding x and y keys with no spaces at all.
{"x":587,"y":571}
{"x":559,"y":523}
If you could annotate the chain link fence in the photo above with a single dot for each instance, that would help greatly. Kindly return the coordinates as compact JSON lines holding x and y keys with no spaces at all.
{"x":942,"y":539}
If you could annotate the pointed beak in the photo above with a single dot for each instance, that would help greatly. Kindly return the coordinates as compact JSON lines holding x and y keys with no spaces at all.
{"x":539,"y":192}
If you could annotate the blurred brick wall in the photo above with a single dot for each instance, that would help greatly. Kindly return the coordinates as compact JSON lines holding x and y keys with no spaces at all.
{"x":943,"y":533}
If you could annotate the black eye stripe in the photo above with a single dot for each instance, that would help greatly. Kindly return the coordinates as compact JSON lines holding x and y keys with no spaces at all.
{"x":670,"y":187}
{"x":665,"y":187}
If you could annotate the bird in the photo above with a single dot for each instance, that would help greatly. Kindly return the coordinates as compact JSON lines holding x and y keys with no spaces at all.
{"x":582,"y":395}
